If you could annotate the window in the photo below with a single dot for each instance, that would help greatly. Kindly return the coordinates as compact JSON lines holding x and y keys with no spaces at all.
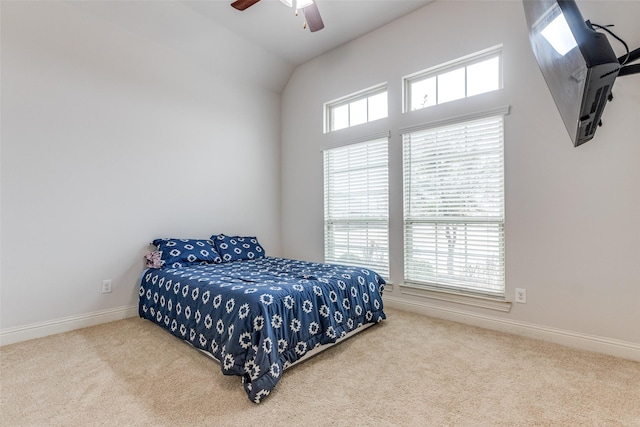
{"x":355,"y":109}
{"x":462,"y":78}
{"x":356,"y":205}
{"x":454,"y":206}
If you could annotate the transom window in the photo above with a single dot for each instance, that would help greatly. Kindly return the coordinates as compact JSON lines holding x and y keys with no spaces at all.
{"x":355,"y":109}
{"x":356,"y":205}
{"x":468,"y":76}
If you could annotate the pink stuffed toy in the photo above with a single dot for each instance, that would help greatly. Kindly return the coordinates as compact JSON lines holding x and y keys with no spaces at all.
{"x":153,"y":259}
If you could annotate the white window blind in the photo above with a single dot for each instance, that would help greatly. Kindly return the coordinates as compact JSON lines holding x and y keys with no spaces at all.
{"x":454,"y":206}
{"x":356,"y":205}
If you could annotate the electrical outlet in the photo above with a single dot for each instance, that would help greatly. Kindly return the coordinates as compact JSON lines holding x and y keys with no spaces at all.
{"x":106,"y":286}
{"x":521,"y":295}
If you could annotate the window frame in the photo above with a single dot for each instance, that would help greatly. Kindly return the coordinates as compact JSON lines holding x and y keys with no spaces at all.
{"x":446,"y":67}
{"x":330,"y":106}
{"x":501,"y":113}
{"x":346,"y":221}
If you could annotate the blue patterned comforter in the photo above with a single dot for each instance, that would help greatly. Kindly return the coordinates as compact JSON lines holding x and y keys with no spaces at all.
{"x":259,"y":316}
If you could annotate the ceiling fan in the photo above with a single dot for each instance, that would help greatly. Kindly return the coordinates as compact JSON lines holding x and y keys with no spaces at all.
{"x":309,"y":7}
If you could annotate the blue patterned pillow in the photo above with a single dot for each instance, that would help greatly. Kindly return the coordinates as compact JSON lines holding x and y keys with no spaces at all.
{"x":183,"y":252}
{"x":234,"y":248}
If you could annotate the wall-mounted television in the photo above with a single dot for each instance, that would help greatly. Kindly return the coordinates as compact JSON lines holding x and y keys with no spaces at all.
{"x":577,"y":62}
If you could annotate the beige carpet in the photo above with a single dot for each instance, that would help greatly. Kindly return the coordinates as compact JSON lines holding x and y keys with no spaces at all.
{"x":408,"y":370}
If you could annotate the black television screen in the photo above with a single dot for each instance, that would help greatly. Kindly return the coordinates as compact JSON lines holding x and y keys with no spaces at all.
{"x":577,"y":62}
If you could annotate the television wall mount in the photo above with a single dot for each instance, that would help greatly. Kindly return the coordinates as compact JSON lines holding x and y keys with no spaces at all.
{"x":626,"y":70}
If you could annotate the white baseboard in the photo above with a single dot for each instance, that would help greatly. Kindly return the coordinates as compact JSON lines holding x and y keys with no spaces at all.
{"x":66,"y":324}
{"x":613,"y":347}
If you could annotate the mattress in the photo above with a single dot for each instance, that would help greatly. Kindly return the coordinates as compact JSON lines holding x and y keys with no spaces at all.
{"x":257,"y":317}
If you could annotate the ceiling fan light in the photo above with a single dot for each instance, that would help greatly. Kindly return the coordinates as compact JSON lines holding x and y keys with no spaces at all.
{"x":301,"y":4}
{"x":287,"y":2}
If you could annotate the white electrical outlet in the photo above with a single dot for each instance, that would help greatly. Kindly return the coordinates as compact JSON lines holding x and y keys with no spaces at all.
{"x":521,"y":295}
{"x":106,"y":286}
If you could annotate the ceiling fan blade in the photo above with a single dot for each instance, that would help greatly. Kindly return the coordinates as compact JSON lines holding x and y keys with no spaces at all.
{"x":243,"y":4}
{"x":312,"y":16}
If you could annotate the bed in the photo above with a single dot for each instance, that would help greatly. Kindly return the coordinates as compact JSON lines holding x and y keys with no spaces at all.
{"x":256,"y":315}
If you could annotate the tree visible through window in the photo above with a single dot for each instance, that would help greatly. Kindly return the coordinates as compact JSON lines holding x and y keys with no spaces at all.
{"x":356,"y":205}
{"x":454,"y":206}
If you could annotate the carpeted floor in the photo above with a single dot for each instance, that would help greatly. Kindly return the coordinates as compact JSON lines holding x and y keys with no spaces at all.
{"x":408,"y":370}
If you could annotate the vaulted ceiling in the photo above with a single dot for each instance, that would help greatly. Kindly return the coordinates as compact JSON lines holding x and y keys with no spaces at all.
{"x":262,"y":44}
{"x":274,"y":26}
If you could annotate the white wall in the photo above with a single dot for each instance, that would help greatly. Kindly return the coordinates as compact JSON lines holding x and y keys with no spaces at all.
{"x":572,"y":228}
{"x":110,"y":140}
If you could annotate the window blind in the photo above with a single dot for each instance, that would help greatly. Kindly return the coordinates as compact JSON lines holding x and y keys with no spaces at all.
{"x":454,"y":206}
{"x":356,"y":205}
